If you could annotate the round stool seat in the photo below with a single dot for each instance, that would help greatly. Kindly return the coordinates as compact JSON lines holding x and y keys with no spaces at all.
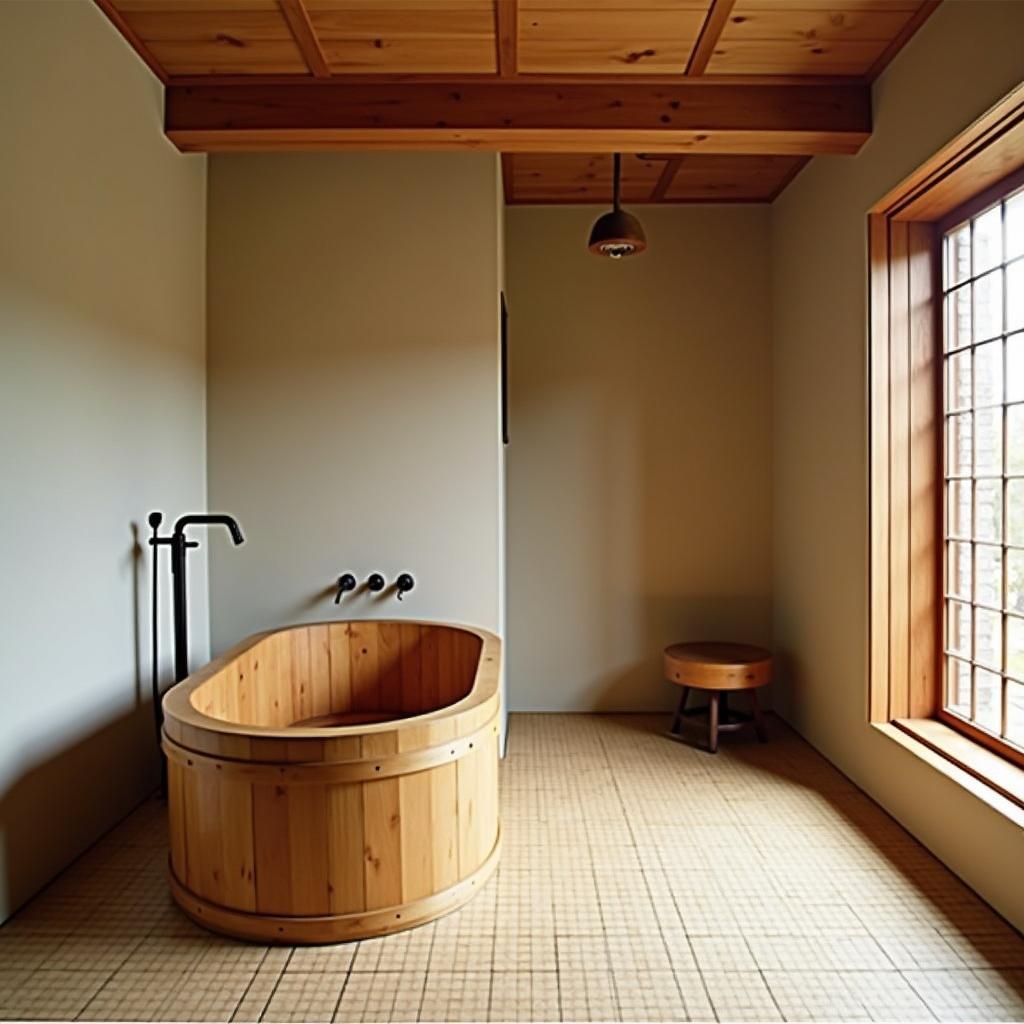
{"x":718,"y":666}
{"x":719,"y":669}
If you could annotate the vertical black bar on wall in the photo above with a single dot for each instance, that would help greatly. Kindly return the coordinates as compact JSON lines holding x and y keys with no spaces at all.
{"x":504,"y":370}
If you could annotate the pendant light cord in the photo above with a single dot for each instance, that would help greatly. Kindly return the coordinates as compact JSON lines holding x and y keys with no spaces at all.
{"x":616,"y":158}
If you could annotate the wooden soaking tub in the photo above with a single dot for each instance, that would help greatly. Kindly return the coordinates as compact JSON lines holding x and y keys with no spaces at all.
{"x":335,"y":781}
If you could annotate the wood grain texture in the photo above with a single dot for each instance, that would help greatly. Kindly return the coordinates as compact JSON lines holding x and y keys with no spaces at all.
{"x":297,"y":16}
{"x":693,"y":116}
{"x":710,"y":34}
{"x":330,"y":828}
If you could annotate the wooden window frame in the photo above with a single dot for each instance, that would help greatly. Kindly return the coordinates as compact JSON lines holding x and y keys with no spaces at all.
{"x":905,"y":395}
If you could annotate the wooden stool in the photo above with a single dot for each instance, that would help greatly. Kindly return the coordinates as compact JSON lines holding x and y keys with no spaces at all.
{"x":719,"y":669}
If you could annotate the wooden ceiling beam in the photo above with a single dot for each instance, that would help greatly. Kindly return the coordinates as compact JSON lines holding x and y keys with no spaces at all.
{"x":689,"y":116}
{"x":664,"y":182}
{"x":301,"y":26}
{"x":710,"y":33}
{"x":506,"y":15}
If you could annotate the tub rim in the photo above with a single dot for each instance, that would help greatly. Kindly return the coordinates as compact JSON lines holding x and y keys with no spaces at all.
{"x":179,"y":710}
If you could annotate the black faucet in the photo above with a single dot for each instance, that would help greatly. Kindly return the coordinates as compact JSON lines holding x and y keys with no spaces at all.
{"x":346,"y":583}
{"x":179,"y":546}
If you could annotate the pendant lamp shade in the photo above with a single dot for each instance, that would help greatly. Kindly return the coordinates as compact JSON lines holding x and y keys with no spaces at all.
{"x":616,"y":234}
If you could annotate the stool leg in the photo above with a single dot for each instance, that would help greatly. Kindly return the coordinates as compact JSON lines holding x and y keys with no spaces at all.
{"x":759,"y":727}
{"x":713,"y":722}
{"x":678,"y":720}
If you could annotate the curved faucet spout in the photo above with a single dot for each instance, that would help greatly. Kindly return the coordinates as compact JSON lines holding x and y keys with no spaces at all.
{"x":211,"y":519}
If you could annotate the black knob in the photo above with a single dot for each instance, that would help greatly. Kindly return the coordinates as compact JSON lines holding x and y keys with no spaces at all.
{"x":346,"y":583}
{"x":375,"y":582}
{"x":155,"y":519}
{"x":404,"y":583}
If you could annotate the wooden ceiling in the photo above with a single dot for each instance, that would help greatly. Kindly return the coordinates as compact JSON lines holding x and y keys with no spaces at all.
{"x":722,"y":99}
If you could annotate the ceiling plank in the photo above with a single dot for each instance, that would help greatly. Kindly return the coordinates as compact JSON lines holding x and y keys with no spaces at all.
{"x":665,"y":180}
{"x":714,"y":23}
{"x":507,"y":31}
{"x":690,"y":116}
{"x":132,"y":38}
{"x":921,"y":15}
{"x":305,"y":37}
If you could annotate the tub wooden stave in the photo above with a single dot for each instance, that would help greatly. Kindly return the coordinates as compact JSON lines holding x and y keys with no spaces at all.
{"x":319,"y":834}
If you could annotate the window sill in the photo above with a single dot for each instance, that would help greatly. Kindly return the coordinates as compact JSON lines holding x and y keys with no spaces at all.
{"x":991,"y":778}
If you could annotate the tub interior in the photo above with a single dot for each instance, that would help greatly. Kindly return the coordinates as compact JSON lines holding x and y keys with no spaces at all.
{"x":345,"y":673}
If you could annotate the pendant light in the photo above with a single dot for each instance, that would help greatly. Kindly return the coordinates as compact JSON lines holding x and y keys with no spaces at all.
{"x":617,"y":234}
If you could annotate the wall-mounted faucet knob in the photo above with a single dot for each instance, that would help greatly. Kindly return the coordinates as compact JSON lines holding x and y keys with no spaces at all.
{"x":404,"y":583}
{"x":375,"y":582}
{"x":346,"y":583}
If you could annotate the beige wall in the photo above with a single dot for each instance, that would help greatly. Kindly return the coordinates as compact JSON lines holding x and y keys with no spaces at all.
{"x":639,"y":473}
{"x":353,"y":385}
{"x":102,"y":420}
{"x":820,"y":434}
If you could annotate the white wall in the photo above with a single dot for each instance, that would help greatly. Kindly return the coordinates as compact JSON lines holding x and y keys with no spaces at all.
{"x":353,"y":385}
{"x":963,"y":60}
{"x":639,"y":470}
{"x":102,"y":416}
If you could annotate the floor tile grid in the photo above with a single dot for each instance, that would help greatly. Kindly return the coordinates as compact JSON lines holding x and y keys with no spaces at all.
{"x":620,"y":911}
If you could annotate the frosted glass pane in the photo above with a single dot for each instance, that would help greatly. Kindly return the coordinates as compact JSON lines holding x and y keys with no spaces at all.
{"x":958,"y":686}
{"x":988,"y":306}
{"x":959,"y":508}
{"x":988,"y":373}
{"x":959,"y":445}
{"x":988,"y":695}
{"x":958,"y":570}
{"x":988,"y":575}
{"x":958,"y":318}
{"x":988,"y":241}
{"x":1015,"y":713}
{"x":958,"y":628}
{"x":1015,"y":368}
{"x":1015,"y":581}
{"x":1015,"y":296}
{"x":1015,"y":439}
{"x":1015,"y":512}
{"x":958,"y":256}
{"x":988,"y":442}
{"x":988,"y":510}
{"x":1015,"y":647}
{"x":958,"y":380}
{"x":1015,"y":226}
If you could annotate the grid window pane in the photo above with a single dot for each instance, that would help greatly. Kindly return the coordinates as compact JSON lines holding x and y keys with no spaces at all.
{"x":988,"y":306}
{"x":1015,"y":296}
{"x":988,"y":510}
{"x":988,"y":575}
{"x":1015,"y":713}
{"x":958,"y":686}
{"x":1015,"y":647}
{"x":960,"y":444}
{"x":988,"y":442}
{"x":988,"y":241}
{"x":1015,"y":368}
{"x":959,"y":570}
{"x":959,"y":513}
{"x":988,"y":699}
{"x":983,"y":388}
{"x":988,"y":373}
{"x":958,"y":255}
{"x":1014,"y":226}
{"x":1015,"y":439}
{"x":958,"y":318}
{"x":958,"y":383}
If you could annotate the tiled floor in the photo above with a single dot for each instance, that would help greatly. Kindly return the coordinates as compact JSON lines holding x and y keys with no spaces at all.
{"x":640,"y":880}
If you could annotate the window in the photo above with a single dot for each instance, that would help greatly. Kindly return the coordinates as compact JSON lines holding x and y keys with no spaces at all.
{"x":982,"y":263}
{"x":946,"y":376}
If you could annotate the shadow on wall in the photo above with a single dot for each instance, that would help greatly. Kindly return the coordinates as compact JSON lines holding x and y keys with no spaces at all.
{"x":49,"y":811}
{"x":708,"y":618}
